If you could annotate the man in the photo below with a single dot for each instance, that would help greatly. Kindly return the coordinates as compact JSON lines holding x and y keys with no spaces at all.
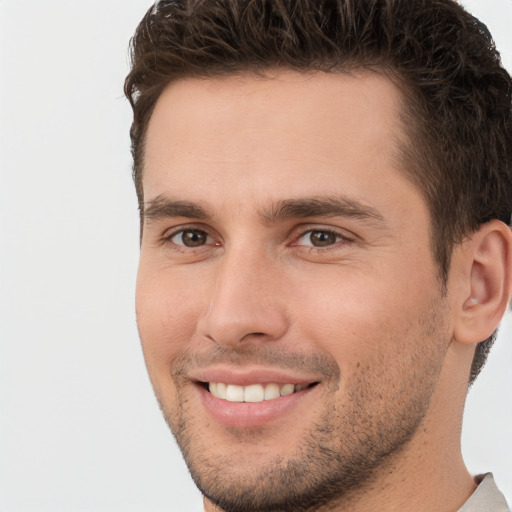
{"x":325,"y":191}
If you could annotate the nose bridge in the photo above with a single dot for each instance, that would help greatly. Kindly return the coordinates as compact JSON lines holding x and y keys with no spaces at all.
{"x":244,"y":301}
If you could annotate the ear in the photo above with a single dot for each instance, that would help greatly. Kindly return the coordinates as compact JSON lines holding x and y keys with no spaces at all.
{"x":486,"y":261}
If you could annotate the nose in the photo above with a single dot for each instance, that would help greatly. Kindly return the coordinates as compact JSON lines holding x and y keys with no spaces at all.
{"x":246,"y":301}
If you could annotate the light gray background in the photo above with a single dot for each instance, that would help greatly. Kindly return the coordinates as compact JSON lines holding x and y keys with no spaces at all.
{"x":79,"y":427}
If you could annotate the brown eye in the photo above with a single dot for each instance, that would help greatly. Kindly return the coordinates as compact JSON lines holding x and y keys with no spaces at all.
{"x":323,"y":238}
{"x":190,"y":238}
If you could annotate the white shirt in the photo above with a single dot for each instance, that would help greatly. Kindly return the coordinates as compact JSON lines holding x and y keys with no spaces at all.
{"x":486,"y":498}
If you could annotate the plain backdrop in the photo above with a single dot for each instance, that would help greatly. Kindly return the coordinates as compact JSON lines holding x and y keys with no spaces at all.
{"x":79,"y":426}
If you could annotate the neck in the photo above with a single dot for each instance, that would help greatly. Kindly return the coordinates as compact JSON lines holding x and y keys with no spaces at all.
{"x":428,"y":474}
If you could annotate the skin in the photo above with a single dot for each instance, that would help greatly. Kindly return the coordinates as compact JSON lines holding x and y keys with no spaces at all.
{"x":362,"y":314}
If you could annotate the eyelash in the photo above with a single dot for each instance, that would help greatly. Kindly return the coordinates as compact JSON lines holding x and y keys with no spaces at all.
{"x":342,"y":238}
{"x":167,"y":237}
{"x":339,"y":238}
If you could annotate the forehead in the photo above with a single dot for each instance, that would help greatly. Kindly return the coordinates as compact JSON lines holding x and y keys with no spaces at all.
{"x":286,"y":126}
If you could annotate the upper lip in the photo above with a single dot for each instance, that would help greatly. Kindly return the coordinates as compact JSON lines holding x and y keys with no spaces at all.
{"x":245,"y":376}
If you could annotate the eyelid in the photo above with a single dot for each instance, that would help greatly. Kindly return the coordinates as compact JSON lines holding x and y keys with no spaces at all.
{"x":174,"y":238}
{"x":297,"y":233}
{"x":344,"y":235}
{"x":170,"y":233}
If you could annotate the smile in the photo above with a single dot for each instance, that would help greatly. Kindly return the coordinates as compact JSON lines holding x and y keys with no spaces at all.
{"x":253,"y":393}
{"x":252,"y":397}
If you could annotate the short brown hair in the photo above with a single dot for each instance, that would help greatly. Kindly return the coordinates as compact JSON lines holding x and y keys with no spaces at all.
{"x":457,"y":96}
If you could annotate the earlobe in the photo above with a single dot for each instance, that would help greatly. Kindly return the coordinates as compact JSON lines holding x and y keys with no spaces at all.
{"x":487,"y":258}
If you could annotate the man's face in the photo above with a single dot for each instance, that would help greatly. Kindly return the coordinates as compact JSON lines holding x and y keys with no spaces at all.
{"x":286,"y":262}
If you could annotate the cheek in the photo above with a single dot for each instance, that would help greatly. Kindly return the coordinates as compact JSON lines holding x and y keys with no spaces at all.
{"x":360,"y":319}
{"x":167,"y":313}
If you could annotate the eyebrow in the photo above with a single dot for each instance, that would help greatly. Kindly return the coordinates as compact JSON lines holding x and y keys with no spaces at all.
{"x":337,"y":206}
{"x":161,"y":207}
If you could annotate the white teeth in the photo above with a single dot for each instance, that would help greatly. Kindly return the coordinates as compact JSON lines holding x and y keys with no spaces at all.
{"x":253,"y":393}
{"x":272,"y":391}
{"x":218,"y":389}
{"x":234,"y":393}
{"x":287,"y":389}
{"x":221,"y":390}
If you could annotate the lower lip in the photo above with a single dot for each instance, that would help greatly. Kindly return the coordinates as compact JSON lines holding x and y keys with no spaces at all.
{"x":251,"y":414}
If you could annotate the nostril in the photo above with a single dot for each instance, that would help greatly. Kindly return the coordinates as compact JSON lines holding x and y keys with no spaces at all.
{"x":254,"y":335}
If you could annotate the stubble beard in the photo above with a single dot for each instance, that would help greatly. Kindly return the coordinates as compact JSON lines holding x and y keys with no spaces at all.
{"x":339,"y":455}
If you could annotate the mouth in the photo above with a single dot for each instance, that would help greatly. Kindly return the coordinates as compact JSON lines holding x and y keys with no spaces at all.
{"x":253,"y":393}
{"x":254,"y":397}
